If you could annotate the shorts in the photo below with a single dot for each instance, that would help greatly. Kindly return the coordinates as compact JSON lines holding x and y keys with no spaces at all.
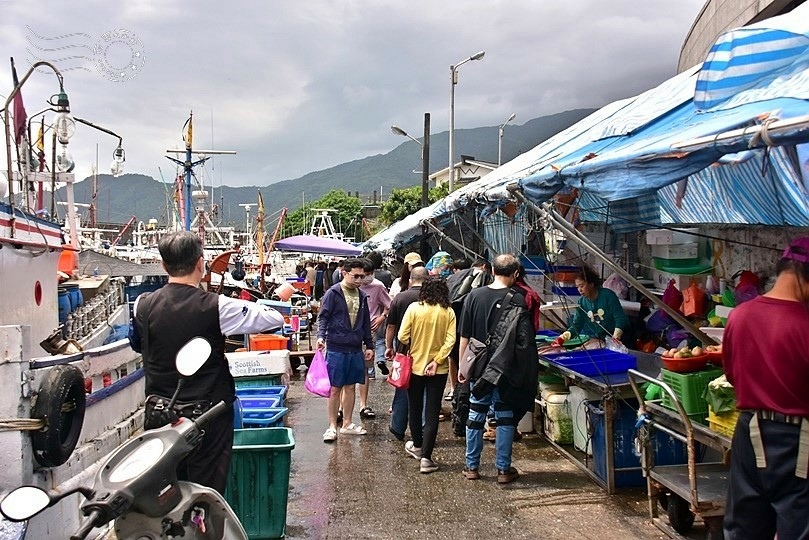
{"x":345,"y":368}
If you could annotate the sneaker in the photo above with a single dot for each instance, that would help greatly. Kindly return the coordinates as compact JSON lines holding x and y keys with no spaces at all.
{"x":471,"y":474}
{"x":427,"y":466}
{"x":383,"y":368}
{"x":413,"y":450}
{"x":506,"y":477}
{"x":330,"y":435}
{"x":372,"y":372}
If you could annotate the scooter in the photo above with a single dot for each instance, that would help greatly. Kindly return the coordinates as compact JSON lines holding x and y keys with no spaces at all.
{"x":137,"y":485}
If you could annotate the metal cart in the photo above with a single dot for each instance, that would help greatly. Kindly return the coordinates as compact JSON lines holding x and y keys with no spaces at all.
{"x":689,"y":490}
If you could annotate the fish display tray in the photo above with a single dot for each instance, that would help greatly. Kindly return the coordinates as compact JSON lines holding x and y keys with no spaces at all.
{"x":594,"y":362}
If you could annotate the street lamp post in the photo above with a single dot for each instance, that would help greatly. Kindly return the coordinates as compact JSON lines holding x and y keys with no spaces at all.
{"x":500,"y":138}
{"x":453,"y":71}
{"x":425,"y":157}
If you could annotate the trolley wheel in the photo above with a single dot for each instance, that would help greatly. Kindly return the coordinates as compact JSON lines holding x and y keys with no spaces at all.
{"x":663,"y":500}
{"x":680,"y":516}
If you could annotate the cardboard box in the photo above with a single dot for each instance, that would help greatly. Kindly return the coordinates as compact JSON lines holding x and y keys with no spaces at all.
{"x":681,"y":281}
{"x":256,"y":363}
{"x":668,"y":237}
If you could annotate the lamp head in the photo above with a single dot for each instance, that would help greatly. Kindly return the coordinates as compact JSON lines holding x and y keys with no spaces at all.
{"x":64,"y":161}
{"x":512,"y":117}
{"x":398,"y":131}
{"x":477,"y":56}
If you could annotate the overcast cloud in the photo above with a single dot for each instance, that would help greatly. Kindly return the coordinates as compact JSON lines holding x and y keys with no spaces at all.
{"x":299,"y":86}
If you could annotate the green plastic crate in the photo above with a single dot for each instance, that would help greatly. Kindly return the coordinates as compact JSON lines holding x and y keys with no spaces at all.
{"x":258,"y":486}
{"x":263,"y":380}
{"x":689,"y":388}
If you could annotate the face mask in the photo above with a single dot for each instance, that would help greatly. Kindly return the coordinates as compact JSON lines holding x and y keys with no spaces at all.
{"x":367,"y":280}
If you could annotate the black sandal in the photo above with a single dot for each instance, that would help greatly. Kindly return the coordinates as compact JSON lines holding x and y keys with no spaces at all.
{"x":367,"y":412}
{"x":339,"y":416}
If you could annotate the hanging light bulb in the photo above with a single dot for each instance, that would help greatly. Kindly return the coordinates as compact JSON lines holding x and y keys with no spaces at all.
{"x":117,"y":169}
{"x":64,"y":161}
{"x":65,"y":127}
{"x":119,"y":155}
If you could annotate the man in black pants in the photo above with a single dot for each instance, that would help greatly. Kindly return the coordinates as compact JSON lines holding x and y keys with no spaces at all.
{"x":170,"y":317}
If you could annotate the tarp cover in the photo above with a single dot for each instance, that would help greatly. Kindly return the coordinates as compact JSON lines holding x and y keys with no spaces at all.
{"x":317,"y":244}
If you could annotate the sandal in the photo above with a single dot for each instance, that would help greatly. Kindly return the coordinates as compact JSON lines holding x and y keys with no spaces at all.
{"x":367,"y":412}
{"x":353,"y":429}
{"x":339,"y":416}
{"x":330,"y":435}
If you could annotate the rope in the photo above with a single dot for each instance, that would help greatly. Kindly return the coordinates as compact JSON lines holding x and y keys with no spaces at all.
{"x":22,"y":424}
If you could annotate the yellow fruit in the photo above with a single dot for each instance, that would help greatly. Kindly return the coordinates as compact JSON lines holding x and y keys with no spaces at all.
{"x":696,"y":351}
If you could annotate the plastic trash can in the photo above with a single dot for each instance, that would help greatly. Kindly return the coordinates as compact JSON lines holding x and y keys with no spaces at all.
{"x":258,"y":486}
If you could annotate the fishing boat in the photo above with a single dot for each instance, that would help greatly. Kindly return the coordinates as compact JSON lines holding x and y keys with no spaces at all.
{"x":71,"y":388}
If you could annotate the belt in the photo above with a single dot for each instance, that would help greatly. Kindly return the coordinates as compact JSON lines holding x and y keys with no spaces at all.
{"x":774,"y":416}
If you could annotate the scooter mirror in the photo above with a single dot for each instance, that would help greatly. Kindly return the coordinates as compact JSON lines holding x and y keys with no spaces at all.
{"x":193,"y":354}
{"x":24,"y":502}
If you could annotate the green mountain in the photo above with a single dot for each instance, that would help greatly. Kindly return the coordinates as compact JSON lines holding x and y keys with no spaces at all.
{"x":118,"y":199}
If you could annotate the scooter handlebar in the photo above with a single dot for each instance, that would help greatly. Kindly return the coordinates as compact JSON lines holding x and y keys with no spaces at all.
{"x":210,"y":414}
{"x":88,"y":524}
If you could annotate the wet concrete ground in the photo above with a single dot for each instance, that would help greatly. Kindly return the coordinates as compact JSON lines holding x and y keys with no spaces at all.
{"x":368,"y":487}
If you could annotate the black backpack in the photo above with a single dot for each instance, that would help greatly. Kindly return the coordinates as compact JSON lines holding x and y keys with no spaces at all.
{"x":475,"y":278}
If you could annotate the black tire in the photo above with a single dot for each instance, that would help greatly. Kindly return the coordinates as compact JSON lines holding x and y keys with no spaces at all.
{"x":663,"y":499}
{"x":680,"y":516}
{"x":61,"y":402}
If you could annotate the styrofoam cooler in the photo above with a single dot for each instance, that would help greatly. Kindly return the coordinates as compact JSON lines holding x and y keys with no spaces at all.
{"x":581,"y":439}
{"x":557,"y":421}
{"x":526,"y":423}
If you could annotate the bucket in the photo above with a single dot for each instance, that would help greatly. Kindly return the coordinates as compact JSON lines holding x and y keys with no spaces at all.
{"x":64,"y":305}
{"x":285,"y":291}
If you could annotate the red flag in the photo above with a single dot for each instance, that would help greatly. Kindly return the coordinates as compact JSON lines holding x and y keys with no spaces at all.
{"x":20,"y":116}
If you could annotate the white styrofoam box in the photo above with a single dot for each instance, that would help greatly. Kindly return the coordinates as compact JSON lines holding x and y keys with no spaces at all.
{"x":716,"y":333}
{"x":681,"y":281}
{"x":526,"y":423}
{"x":558,"y":424}
{"x":676,"y":251}
{"x":667,"y":236}
{"x":547,"y":389}
{"x":253,"y":363}
{"x":723,"y":311}
{"x":578,"y":410}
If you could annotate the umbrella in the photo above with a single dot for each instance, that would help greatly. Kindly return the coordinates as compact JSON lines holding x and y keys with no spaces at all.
{"x":317,"y":244}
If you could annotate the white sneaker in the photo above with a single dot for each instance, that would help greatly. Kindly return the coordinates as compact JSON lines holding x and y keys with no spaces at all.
{"x":411,"y":449}
{"x":427,"y":466}
{"x":330,"y":435}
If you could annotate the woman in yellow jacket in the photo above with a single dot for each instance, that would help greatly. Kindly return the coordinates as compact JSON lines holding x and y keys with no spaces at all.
{"x":428,"y":328}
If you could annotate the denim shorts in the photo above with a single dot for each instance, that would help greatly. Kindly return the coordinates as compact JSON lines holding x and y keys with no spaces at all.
{"x":345,"y":368}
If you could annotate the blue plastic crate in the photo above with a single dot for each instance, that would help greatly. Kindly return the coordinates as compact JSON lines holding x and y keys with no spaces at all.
{"x":264,"y":392}
{"x":594,"y":362}
{"x":269,"y":417}
{"x":628,"y":472}
{"x":261,"y":381}
{"x":261,"y":402}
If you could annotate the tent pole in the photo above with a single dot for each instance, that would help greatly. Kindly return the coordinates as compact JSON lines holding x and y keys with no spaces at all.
{"x":547,"y":211}
{"x":440,"y":233}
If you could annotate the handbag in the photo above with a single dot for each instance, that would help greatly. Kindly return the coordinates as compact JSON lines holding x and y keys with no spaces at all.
{"x":157,"y":413}
{"x":317,"y":378}
{"x":476,"y":356}
{"x":400,"y":370}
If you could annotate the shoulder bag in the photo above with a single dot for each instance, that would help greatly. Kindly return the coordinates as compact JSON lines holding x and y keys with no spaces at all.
{"x":476,"y":355}
{"x":401,"y":368}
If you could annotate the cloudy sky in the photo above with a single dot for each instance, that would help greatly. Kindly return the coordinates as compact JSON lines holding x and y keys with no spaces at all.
{"x":299,"y":86}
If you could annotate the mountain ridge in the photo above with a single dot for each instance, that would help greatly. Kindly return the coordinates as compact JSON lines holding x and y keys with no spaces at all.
{"x":145,"y":197}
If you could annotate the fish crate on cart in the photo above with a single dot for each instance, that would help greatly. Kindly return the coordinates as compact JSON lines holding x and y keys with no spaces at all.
{"x":258,"y":486}
{"x":278,"y":392}
{"x":689,"y":388}
{"x":723,"y":423}
{"x":267,"y":417}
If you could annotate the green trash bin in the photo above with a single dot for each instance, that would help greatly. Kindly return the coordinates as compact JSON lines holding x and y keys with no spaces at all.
{"x":258,"y":486}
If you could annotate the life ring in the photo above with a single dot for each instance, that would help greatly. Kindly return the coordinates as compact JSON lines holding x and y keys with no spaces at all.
{"x":61,"y":402}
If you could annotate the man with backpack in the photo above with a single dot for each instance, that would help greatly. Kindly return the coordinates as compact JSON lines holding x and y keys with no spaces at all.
{"x":497,"y":316}
{"x":460,"y":284}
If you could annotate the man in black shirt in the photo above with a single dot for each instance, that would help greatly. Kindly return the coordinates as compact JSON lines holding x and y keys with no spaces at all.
{"x":480,"y":311}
